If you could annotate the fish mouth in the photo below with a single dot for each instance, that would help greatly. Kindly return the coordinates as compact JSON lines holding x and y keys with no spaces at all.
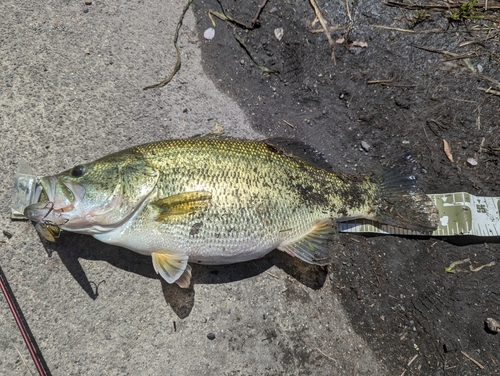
{"x":57,"y":200}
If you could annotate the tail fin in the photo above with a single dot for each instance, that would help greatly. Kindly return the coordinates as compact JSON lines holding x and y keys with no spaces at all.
{"x":401,"y":203}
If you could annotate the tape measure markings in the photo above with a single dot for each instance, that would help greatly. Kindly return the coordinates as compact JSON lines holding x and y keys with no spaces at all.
{"x":460,"y":213}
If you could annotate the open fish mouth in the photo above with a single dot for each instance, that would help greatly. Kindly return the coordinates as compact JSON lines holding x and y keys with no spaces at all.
{"x":57,"y":198}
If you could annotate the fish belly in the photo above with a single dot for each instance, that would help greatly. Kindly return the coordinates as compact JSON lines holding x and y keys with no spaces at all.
{"x":207,"y":248}
{"x":211,"y":238}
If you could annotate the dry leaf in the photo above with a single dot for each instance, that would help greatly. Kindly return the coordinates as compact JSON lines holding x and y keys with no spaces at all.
{"x":447,"y":150}
{"x":359,"y":44}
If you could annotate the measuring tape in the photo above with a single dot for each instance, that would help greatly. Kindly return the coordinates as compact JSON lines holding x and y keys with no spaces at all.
{"x":459,"y":213}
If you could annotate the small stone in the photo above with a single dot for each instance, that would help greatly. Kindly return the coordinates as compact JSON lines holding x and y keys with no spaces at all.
{"x":88,"y":2}
{"x":278,"y":33}
{"x":217,"y":128}
{"x":492,"y":325}
{"x":274,"y":10}
{"x":209,"y":33}
{"x":7,"y":234}
{"x":472,"y":161}
{"x":402,"y":103}
{"x":211,"y":336}
{"x":331,"y":276}
{"x":366,"y":146}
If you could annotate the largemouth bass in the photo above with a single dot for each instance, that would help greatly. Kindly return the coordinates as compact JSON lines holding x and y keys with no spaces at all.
{"x":215,"y":200}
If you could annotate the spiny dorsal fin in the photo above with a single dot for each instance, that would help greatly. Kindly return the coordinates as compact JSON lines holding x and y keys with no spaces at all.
{"x":182,"y":203}
{"x":300,"y":150}
{"x":172,"y":267}
{"x":313,"y":247}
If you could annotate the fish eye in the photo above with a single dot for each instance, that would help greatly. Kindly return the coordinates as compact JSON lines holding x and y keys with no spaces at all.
{"x":77,"y":171}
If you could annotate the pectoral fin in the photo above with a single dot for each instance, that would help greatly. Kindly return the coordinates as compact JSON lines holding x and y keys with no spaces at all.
{"x":313,"y":247}
{"x":182,"y":203}
{"x":172,"y":267}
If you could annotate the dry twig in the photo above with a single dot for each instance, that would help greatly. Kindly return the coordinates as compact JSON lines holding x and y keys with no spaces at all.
{"x":472,"y":360}
{"x":449,"y":55}
{"x":325,"y":29}
{"x":431,"y":31}
{"x":441,"y":7}
{"x":389,"y":83}
{"x":322,"y":353}
{"x":412,"y":360}
{"x":289,"y":124}
{"x":474,"y":270}
{"x":224,"y":17}
{"x":178,"y":51}
{"x":489,"y":91}
{"x":331,"y":28}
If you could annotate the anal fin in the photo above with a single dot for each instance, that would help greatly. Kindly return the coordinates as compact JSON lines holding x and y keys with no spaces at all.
{"x":313,"y":247}
{"x":185,"y":279}
{"x":172,"y":267}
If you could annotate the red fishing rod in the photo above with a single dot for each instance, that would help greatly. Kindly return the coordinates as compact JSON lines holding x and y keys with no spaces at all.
{"x":29,"y":340}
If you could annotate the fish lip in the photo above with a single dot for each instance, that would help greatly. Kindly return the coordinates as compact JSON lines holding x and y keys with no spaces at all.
{"x":55,"y":210}
{"x":38,"y":211}
{"x":49,"y":185}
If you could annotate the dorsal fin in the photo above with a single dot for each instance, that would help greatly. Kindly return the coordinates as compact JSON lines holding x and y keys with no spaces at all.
{"x":298,"y":149}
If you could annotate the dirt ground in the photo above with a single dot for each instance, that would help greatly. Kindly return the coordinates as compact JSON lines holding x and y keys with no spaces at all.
{"x":72,"y":77}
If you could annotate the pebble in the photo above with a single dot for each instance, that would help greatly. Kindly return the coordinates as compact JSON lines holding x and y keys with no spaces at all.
{"x":278,"y":33}
{"x":88,"y":2}
{"x":365,"y":145}
{"x":211,"y":336}
{"x":472,"y":161}
{"x":331,"y":276}
{"x":209,"y":33}
{"x":492,"y":325}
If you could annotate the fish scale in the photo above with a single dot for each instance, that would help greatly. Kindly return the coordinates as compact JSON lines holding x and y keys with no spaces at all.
{"x":239,"y":225}
{"x":221,"y":200}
